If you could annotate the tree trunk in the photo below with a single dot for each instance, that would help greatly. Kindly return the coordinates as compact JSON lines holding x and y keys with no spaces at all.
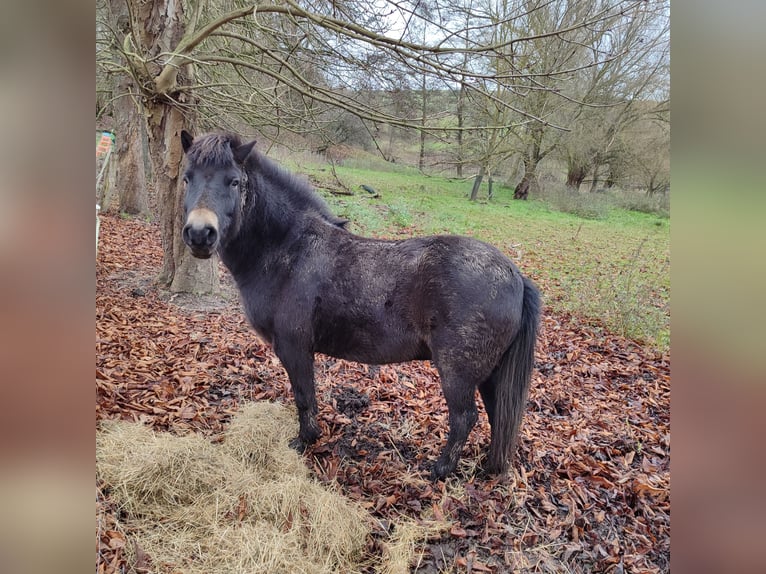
{"x":422,"y":155}
{"x":477,"y":183}
{"x":522,"y":189}
{"x":460,"y":151}
{"x":128,"y":128}
{"x":529,"y":179}
{"x":158,"y":27}
{"x":423,"y":110}
{"x":595,"y":180}
{"x":611,"y":179}
{"x":129,"y":151}
{"x":532,"y":158}
{"x":389,"y":155}
{"x":461,"y":105}
{"x":575,"y":176}
{"x":107,"y":193}
{"x":181,"y":272}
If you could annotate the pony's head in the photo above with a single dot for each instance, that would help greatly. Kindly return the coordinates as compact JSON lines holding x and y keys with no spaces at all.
{"x":214,"y":180}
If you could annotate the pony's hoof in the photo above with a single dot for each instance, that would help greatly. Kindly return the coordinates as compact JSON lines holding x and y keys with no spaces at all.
{"x":298,"y":445}
{"x":441,"y":470}
{"x":483,"y":473}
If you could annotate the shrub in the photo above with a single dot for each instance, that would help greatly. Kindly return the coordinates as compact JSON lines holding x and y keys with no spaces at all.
{"x":598,"y":205}
{"x":658,"y":204}
{"x":627,"y":301}
{"x":585,"y":205}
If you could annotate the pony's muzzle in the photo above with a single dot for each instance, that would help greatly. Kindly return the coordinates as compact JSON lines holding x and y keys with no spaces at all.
{"x":201,"y":232}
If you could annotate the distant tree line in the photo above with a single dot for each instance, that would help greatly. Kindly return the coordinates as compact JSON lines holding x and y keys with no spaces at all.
{"x":488,"y":83}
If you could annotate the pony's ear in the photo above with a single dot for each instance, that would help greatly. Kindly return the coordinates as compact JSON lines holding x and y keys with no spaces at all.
{"x":186,"y":140}
{"x":241,"y":152}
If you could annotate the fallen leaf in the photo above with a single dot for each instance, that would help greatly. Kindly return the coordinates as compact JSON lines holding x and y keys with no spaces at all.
{"x":593,"y":398}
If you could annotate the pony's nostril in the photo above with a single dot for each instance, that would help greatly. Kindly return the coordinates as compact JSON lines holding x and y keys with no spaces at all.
{"x":205,"y":236}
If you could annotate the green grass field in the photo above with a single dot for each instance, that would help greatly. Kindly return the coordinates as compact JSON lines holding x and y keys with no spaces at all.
{"x":613,"y":272}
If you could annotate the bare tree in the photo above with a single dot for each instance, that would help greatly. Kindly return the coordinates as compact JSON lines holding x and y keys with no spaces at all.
{"x":281,"y":66}
{"x":644,"y":158}
{"x":620,"y":93}
{"x":156,"y":90}
{"x":577,"y":88}
{"x":124,"y":117}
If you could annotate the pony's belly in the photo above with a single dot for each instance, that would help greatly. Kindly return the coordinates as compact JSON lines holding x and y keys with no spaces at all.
{"x":377,"y":358}
{"x":363,"y":348}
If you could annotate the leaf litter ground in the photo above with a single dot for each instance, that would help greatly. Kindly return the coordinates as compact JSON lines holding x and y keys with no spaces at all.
{"x":591,"y":487}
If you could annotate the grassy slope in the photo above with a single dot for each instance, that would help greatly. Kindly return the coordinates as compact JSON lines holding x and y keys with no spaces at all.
{"x":613,"y":272}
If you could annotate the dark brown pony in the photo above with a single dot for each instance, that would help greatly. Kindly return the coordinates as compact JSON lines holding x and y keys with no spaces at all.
{"x":310,"y":286}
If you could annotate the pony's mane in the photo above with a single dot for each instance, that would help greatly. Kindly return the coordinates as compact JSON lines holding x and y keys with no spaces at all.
{"x":298,"y":194}
{"x":297,"y":187}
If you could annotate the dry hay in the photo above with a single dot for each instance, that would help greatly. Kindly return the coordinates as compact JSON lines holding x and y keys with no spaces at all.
{"x":245,"y":505}
{"x":401,"y":548}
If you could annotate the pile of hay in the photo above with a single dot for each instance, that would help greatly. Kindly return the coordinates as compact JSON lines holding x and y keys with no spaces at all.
{"x":245,"y":505}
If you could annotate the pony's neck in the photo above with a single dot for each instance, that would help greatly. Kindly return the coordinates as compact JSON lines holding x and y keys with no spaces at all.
{"x":281,"y":199}
{"x":290,"y":189}
{"x":269,"y":209}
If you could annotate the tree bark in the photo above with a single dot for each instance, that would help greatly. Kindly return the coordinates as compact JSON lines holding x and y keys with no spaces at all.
{"x":529,"y":179}
{"x":460,"y":150}
{"x":127,"y":126}
{"x":129,"y":151}
{"x":522,"y":189}
{"x":595,"y":180}
{"x":423,"y":110}
{"x":532,"y":157}
{"x":611,"y":179}
{"x":477,"y":182}
{"x":461,"y":106}
{"x":575,"y":176}
{"x":159,"y":26}
{"x":181,"y":272}
{"x":108,"y":199}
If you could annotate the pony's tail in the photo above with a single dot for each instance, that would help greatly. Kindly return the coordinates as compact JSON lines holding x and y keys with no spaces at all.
{"x":510,"y":380}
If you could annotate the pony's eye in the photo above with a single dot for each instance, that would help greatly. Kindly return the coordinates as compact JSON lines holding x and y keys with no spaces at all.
{"x":235,"y":183}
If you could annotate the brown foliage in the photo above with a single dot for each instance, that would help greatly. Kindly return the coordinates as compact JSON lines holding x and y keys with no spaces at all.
{"x":590,"y":490}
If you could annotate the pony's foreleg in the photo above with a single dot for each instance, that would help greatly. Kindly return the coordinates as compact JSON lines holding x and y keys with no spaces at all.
{"x":299,"y":364}
{"x":461,"y":402}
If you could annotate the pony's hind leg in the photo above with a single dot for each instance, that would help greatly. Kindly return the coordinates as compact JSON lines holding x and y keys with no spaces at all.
{"x":461,"y":402}
{"x":488,"y":397}
{"x":488,"y":390}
